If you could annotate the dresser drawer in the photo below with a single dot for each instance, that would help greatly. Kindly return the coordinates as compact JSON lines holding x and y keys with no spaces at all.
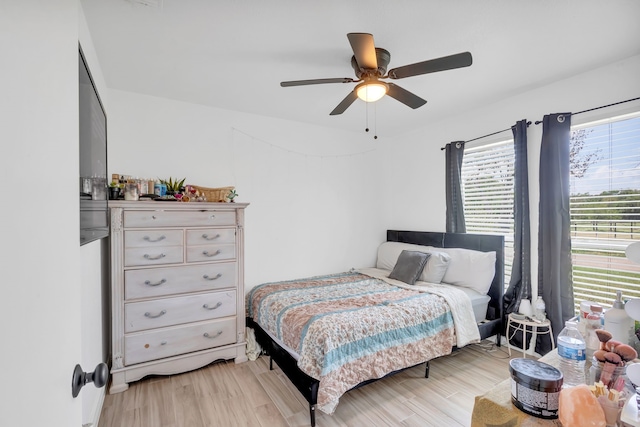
{"x":210,"y":252}
{"x":153,"y":238}
{"x":153,"y":282}
{"x":158,"y":344}
{"x":163,"y":312}
{"x":133,"y":219}
{"x":211,"y":236}
{"x":153,"y":256}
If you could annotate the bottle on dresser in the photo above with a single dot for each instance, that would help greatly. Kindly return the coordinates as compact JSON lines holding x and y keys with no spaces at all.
{"x":594,"y":322}
{"x":618,"y":322}
{"x":571,"y":351}
{"x":585,"y":309}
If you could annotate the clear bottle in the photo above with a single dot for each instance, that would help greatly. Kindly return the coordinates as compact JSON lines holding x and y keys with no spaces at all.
{"x":585,"y":309}
{"x":618,"y":322}
{"x":572,"y":354}
{"x":539,"y":309}
{"x":594,"y":321}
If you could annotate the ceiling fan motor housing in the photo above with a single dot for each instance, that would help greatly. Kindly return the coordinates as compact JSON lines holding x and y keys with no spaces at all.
{"x":382,"y":56}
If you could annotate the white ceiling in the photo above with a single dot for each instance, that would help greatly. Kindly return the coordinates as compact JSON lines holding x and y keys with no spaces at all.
{"x":234,"y":53}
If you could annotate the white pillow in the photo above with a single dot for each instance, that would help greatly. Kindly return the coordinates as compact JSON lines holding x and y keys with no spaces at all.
{"x":466,"y":267}
{"x":388,"y":253}
{"x":470,"y":269}
{"x":436,"y":267}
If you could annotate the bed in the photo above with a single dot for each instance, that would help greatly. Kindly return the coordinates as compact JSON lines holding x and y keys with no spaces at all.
{"x":376,"y":326}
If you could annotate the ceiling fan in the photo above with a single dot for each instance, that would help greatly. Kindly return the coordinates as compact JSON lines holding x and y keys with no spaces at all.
{"x":370,"y":65}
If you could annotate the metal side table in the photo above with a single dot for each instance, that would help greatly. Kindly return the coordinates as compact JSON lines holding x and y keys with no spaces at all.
{"x":517,"y":323}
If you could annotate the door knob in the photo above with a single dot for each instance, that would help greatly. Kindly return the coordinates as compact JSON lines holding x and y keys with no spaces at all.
{"x":98,"y":377}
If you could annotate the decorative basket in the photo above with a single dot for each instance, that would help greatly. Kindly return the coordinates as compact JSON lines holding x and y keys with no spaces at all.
{"x":214,"y":194}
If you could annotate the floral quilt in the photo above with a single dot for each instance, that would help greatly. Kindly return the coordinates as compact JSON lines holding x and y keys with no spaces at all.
{"x":350,"y":327}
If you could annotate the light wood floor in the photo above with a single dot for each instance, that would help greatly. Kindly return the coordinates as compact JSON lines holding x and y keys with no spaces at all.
{"x":248,"y":394}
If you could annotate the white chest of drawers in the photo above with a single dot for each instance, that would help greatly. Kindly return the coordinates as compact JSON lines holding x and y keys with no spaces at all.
{"x":177,"y":287}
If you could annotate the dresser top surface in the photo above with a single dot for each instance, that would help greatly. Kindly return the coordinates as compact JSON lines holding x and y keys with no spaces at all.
{"x":174,"y":206}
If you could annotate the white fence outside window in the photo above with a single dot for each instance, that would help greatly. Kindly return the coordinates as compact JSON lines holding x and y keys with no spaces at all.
{"x":605,"y":209}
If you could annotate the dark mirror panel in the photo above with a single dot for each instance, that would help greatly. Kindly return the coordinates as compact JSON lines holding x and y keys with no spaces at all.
{"x":94,"y":223}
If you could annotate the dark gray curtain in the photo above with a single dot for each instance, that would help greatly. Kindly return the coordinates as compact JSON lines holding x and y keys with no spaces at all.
{"x":520,"y":282}
{"x":455,"y":208}
{"x":554,"y":241}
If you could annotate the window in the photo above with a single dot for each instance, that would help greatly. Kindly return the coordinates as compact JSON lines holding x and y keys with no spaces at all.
{"x":487,"y":188}
{"x":605,"y":209}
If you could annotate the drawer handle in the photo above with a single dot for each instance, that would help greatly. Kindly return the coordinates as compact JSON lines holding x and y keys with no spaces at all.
{"x":152,"y":316}
{"x":148,"y":283}
{"x":149,"y":257}
{"x":212,"y":308}
{"x":206,"y":253}
{"x":217,"y":276}
{"x":149,"y":239}
{"x":206,"y":237}
{"x":206,"y":335}
{"x":212,"y":216}
{"x":163,"y":343}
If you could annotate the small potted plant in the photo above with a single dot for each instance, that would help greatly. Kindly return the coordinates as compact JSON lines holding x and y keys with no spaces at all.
{"x":173,"y":186}
{"x":114,"y":190}
{"x":232,"y":195}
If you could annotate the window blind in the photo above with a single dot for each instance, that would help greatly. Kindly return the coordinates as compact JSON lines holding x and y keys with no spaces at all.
{"x":487,"y":187}
{"x":605,"y":209}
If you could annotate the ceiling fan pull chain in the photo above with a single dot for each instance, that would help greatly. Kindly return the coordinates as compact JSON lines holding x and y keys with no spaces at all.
{"x":366,"y":115}
{"x":375,"y":121}
{"x":366,"y":109}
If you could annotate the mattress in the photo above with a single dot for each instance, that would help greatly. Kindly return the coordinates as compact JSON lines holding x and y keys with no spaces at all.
{"x":479,"y":303}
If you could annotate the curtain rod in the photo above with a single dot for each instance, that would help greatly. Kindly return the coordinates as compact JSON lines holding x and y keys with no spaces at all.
{"x":484,"y":136}
{"x":597,"y":108}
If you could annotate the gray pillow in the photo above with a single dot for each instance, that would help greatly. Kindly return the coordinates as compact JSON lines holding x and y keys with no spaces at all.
{"x":409,"y":266}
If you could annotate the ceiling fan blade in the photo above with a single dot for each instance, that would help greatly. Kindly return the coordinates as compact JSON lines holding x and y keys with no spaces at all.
{"x":404,"y":96}
{"x":364,"y":50}
{"x":450,"y":62}
{"x":344,"y":104}
{"x":316,"y":81}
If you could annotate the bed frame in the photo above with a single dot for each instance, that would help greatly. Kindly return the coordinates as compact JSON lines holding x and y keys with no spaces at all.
{"x":492,"y":325}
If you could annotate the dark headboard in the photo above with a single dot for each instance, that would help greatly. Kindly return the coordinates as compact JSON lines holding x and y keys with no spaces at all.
{"x":478,"y":242}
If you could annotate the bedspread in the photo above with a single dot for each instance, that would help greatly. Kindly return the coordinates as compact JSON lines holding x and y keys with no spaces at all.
{"x":350,"y":327}
{"x":463,"y":319}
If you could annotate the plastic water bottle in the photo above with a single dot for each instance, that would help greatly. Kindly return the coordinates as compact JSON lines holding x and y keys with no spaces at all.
{"x":539,"y":310}
{"x":572,"y":354}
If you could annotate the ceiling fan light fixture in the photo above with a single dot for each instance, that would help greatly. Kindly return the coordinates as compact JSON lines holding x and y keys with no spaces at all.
{"x":371,"y":91}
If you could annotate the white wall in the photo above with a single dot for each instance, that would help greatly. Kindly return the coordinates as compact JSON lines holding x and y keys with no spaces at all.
{"x":95,"y":308}
{"x":40,"y":263}
{"x":416,"y":165}
{"x":313,"y":192}
{"x":314,"y":208}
